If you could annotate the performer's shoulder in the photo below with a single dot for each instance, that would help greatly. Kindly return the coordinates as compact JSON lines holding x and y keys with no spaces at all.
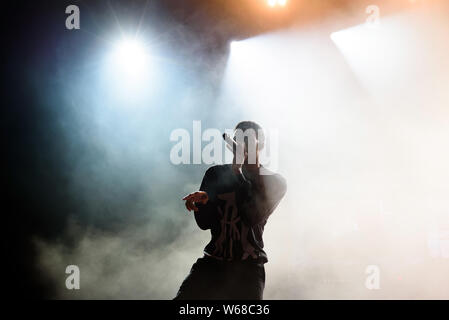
{"x":267,"y":172}
{"x":275,"y":177}
{"x":218,"y":168}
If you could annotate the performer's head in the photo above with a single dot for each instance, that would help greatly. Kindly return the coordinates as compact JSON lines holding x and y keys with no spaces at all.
{"x":252,"y":135}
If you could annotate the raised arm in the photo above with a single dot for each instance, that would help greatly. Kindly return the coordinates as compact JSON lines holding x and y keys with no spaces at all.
{"x":258,"y":196}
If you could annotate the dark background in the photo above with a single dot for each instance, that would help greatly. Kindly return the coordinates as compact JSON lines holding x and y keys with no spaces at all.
{"x":37,"y":146}
{"x":40,"y":56}
{"x":38,"y":150}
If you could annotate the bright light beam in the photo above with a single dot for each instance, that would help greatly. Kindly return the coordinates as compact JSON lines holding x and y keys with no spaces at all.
{"x":273,"y":3}
{"x":128,"y":70}
{"x":131,"y":58}
{"x":377,"y":56}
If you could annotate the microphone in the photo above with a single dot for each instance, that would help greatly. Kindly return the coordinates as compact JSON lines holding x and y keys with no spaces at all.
{"x":230,"y":143}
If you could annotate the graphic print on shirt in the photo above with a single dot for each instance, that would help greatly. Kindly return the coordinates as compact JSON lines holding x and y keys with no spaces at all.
{"x":232,"y":229}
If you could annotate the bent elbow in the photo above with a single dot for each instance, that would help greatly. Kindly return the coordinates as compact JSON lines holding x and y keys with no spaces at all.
{"x":252,"y":220}
{"x":203,"y":226}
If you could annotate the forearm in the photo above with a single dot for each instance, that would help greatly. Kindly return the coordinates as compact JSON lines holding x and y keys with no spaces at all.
{"x":204,"y":215}
{"x":252,"y":201}
{"x":256,"y":202}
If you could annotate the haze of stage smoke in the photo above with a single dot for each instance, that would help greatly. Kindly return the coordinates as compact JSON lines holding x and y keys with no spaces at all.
{"x":365,"y":162}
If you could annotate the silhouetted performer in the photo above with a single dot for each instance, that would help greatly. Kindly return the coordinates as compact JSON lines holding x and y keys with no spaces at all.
{"x":234,"y":202}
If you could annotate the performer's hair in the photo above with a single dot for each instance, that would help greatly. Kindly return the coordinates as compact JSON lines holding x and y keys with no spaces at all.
{"x":244,"y":125}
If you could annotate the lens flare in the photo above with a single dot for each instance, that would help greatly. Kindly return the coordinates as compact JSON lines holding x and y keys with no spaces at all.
{"x":131,"y":57}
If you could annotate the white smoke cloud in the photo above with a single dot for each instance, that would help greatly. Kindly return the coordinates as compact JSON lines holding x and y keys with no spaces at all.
{"x":365,"y":167}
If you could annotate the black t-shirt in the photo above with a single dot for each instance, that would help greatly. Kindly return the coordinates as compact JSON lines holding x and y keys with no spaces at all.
{"x":237,"y":211}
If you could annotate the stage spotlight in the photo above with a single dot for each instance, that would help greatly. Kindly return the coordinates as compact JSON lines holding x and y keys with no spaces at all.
{"x":131,"y":57}
{"x":233,"y":45}
{"x":378,"y":55}
{"x":128,"y":70}
{"x":273,"y":3}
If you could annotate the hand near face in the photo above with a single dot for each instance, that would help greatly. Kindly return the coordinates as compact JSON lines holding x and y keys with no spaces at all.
{"x":246,"y":151}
